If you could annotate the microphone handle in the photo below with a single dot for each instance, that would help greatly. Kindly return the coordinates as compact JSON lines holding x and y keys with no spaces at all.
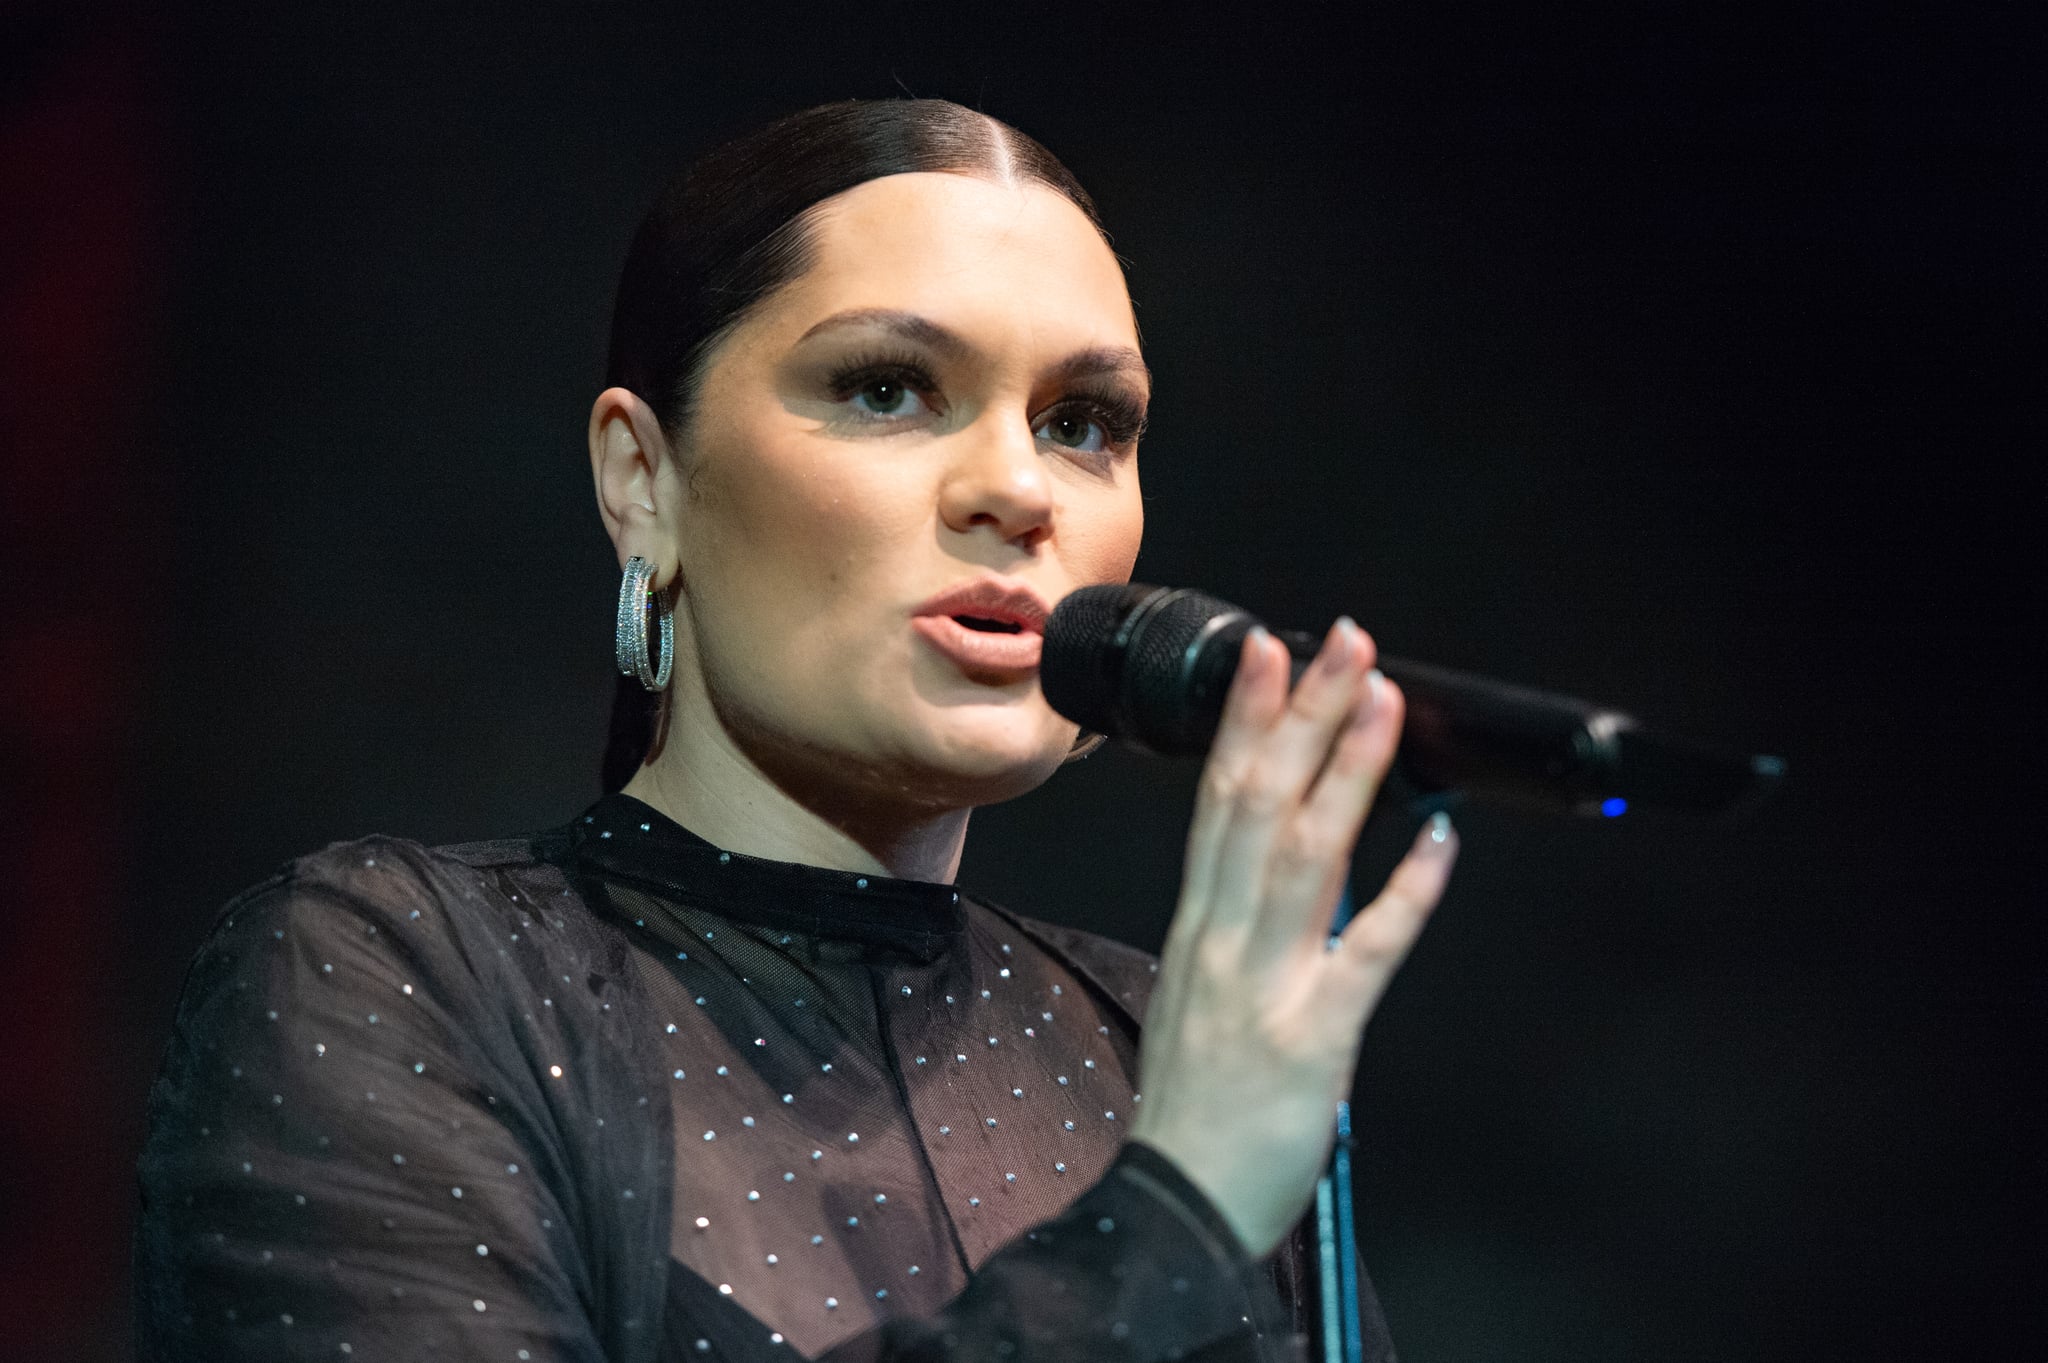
{"x":1517,"y":745}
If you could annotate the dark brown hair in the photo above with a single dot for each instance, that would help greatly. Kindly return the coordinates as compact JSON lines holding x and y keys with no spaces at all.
{"x":734,"y":227}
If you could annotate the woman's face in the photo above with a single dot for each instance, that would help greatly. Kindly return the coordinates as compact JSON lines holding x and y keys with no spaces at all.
{"x":899,"y":462}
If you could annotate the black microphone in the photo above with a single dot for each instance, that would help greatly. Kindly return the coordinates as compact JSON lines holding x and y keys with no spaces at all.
{"x":1149,"y":666}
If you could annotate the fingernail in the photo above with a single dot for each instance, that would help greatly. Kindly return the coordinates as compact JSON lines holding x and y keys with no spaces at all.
{"x":1252,"y":653}
{"x":1336,"y":650}
{"x":1436,"y":834}
{"x":1376,"y":686}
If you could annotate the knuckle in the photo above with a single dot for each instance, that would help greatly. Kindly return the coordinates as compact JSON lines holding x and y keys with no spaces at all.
{"x":1218,"y":785}
{"x":1357,"y":752}
{"x":1389,"y":927}
{"x":1370,"y":943}
{"x":1216,"y":958}
{"x":1263,"y":792}
{"x":1261,"y":802}
{"x":1302,"y":847}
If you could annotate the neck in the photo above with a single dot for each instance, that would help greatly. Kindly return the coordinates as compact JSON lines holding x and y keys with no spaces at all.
{"x":704,"y":781}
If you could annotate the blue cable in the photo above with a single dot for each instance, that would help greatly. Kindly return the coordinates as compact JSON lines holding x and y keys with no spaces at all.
{"x":1336,"y":1233}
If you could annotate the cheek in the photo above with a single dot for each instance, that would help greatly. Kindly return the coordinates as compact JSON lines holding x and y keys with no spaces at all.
{"x":781,"y":501}
{"x":1102,"y":534}
{"x":796,"y":546}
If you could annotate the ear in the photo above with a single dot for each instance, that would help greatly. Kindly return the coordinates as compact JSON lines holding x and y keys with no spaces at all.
{"x":639,"y":487}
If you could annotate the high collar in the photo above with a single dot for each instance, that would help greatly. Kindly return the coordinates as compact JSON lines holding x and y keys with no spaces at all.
{"x":627,"y":838}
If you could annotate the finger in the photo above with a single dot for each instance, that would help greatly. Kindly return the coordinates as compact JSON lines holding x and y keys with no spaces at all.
{"x":1286,"y":762}
{"x":1320,"y":707}
{"x":1257,"y":696}
{"x":1375,"y":942}
{"x":1313,"y":857}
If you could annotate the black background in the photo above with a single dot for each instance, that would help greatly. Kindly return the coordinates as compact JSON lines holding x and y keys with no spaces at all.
{"x":1668,"y":354}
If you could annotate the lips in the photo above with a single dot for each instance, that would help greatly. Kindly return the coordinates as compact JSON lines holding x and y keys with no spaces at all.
{"x":987,"y":626}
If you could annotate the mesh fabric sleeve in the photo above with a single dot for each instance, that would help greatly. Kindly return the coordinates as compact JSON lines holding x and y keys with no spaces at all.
{"x":354,"y":1150}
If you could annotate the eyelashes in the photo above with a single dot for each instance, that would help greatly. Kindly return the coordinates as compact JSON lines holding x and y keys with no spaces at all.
{"x":1116,"y":412}
{"x":1122,"y":418}
{"x":862,"y":372}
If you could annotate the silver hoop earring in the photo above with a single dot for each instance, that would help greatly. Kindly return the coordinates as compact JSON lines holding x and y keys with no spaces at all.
{"x":630,"y":641}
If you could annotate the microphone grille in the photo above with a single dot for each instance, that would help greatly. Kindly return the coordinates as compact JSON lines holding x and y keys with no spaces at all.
{"x":1080,"y":667}
{"x":1170,"y":700}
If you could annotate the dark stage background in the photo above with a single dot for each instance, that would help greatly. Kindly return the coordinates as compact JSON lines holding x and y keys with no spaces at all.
{"x":1670,"y":354}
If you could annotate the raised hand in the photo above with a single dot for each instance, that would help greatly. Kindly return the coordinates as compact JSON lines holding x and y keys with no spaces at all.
{"x":1253,"y":1031}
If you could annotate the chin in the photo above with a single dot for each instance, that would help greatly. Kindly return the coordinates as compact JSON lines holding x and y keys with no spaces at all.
{"x":993,"y":753}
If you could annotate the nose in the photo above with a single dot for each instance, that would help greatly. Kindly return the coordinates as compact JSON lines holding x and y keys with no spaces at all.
{"x":997,"y":479}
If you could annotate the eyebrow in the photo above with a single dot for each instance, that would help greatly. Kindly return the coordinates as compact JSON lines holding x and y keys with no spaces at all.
{"x":1082,"y":364}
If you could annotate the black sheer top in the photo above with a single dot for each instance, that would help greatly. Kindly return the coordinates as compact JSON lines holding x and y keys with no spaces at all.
{"x":611,"y":1093}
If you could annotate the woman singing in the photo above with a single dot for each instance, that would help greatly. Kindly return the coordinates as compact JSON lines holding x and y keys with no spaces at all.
{"x":726,"y":1067}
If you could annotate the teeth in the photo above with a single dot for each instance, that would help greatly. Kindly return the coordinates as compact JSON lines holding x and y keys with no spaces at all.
{"x":989,"y":626}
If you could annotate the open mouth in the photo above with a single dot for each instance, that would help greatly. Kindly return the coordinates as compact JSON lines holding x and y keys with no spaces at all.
{"x":988,"y":626}
{"x":990,"y":629}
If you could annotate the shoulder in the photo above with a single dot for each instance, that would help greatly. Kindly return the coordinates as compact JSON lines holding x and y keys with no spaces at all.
{"x":381,"y":957}
{"x":378,"y":913}
{"x":379,"y":880}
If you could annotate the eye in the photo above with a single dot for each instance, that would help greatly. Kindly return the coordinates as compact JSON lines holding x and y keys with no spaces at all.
{"x":889,"y":396}
{"x":1101,"y":420}
{"x":883,"y":390}
{"x":1074,"y":430}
